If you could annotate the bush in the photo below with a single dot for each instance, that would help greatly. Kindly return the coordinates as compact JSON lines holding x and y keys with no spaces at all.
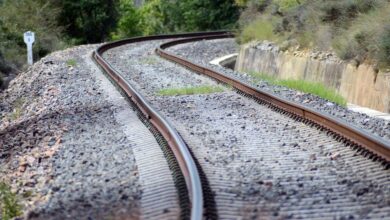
{"x":129,"y":22}
{"x":260,"y":29}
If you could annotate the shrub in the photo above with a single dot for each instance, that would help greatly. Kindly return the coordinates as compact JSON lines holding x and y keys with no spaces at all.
{"x":260,"y":29}
{"x":8,"y":203}
{"x":128,"y":24}
{"x":285,"y":5}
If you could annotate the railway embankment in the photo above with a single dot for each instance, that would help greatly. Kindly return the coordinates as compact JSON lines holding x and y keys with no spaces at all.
{"x":72,"y":148}
{"x":360,"y":84}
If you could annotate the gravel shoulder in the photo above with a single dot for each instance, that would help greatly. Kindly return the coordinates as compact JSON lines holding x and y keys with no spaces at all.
{"x":69,"y":144}
{"x":203,"y":52}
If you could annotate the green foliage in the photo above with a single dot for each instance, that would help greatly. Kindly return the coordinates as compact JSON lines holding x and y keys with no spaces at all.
{"x":152,"y":18}
{"x":167,"y":16}
{"x":8,"y":203}
{"x":304,"y":86}
{"x":129,"y":21}
{"x":314,"y":88}
{"x":285,"y":5}
{"x":89,"y":21}
{"x":260,"y":29}
{"x":190,"y":90}
{"x":207,"y":15}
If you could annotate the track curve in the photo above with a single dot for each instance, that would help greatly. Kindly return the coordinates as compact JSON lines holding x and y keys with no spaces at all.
{"x":179,"y":148}
{"x":366,"y":143}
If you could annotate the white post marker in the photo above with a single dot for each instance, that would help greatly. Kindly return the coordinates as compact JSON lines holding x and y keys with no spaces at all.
{"x":29,"y":38}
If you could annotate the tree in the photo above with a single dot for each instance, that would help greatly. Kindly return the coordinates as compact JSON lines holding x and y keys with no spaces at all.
{"x":129,"y":22}
{"x":201,"y":15}
{"x":89,"y":21}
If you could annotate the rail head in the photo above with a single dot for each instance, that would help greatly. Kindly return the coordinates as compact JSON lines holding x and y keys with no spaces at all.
{"x":357,"y":136}
{"x":174,"y":140}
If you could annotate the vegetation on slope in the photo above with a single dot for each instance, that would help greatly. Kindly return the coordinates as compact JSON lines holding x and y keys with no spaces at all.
{"x":314,"y":88}
{"x":354,"y":29}
{"x":8,"y":203}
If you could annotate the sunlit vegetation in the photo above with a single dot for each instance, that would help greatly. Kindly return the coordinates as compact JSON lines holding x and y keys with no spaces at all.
{"x":354,"y":29}
{"x":314,"y":88}
{"x":71,"y":62}
{"x":190,"y":90}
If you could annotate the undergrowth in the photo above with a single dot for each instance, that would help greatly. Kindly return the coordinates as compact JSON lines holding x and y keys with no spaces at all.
{"x":314,"y":88}
{"x":8,"y":203}
{"x":190,"y":90}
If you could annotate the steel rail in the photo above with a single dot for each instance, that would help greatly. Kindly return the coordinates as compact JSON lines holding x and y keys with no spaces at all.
{"x":174,"y":140}
{"x":349,"y":134}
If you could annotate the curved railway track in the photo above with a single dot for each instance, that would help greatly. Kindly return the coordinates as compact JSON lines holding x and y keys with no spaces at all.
{"x":341,"y":133}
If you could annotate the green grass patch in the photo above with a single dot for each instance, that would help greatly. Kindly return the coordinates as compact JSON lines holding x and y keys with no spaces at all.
{"x":314,"y":88}
{"x":8,"y":203}
{"x":71,"y":62}
{"x":190,"y":90}
{"x":149,"y":60}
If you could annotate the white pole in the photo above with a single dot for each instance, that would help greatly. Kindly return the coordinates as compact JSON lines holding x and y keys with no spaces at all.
{"x":29,"y":54}
{"x":29,"y":38}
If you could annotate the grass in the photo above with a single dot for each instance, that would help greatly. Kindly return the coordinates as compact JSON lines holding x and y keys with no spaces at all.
{"x":314,"y":88}
{"x":71,"y":62}
{"x":190,"y":90}
{"x":8,"y":203}
{"x":17,"y":108}
{"x":149,"y":60}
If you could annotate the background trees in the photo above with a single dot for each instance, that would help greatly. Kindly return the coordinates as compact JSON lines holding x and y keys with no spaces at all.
{"x":355,"y":29}
{"x":88,"y":21}
{"x":62,"y":23}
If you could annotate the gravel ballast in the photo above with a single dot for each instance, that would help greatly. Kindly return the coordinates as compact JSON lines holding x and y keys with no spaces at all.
{"x":69,"y":145}
{"x":203,"y":52}
{"x":259,"y":164}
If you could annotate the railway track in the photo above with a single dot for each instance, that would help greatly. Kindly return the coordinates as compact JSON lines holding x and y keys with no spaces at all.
{"x":246,"y":166}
